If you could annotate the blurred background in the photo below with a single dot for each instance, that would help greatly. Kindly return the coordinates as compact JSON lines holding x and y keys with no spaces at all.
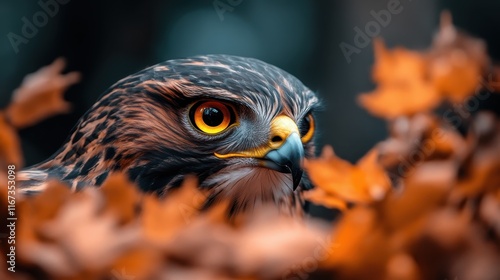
{"x":108,"y":40}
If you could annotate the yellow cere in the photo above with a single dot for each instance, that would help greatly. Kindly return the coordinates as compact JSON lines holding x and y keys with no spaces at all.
{"x":281,"y":128}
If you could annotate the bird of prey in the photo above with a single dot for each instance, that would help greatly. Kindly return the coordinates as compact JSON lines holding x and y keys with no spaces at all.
{"x":242,"y":126}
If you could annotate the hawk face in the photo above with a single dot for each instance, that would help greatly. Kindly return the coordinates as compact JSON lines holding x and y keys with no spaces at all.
{"x":240,"y":125}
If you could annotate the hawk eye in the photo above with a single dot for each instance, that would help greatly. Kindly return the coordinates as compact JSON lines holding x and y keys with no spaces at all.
{"x":306,"y":128}
{"x":211,"y":117}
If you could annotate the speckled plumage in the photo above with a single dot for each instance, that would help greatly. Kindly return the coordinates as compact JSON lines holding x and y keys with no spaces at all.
{"x":141,"y":126}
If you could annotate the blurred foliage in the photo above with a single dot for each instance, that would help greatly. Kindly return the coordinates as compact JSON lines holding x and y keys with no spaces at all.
{"x":422,"y":204}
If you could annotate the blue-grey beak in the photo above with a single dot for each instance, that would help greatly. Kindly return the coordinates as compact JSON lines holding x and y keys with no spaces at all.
{"x":287,"y":158}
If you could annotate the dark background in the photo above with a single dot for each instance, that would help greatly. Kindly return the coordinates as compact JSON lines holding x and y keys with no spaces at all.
{"x":108,"y":40}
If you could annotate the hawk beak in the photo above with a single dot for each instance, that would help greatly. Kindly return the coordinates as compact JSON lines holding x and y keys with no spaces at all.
{"x":287,"y":158}
{"x":283,"y":152}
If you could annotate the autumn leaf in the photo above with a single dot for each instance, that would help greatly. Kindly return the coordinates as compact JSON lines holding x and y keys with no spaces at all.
{"x":493,"y":79}
{"x":65,"y":234}
{"x":490,"y":212}
{"x":41,"y":95}
{"x":481,"y":171}
{"x":406,"y":99}
{"x":357,"y":238}
{"x":122,"y":197}
{"x":397,"y":66}
{"x":457,"y":62}
{"x":422,"y":191}
{"x":403,"y":89}
{"x":244,"y":250}
{"x":336,"y":179}
{"x":161,"y":219}
{"x":437,"y":220}
{"x":414,"y":140}
{"x":10,"y":148}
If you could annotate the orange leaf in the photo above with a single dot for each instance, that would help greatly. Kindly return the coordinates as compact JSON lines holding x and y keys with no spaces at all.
{"x":319,"y":196}
{"x":397,"y":66}
{"x":457,"y":61}
{"x":493,"y":80}
{"x":402,"y":85}
{"x":10,"y":148}
{"x":456,"y":75}
{"x":41,"y":95}
{"x":163,"y":218}
{"x":364,"y":182}
{"x":121,"y":196}
{"x":391,"y":102}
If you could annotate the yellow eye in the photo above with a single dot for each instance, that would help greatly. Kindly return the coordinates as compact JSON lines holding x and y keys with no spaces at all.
{"x":306,"y":128}
{"x":211,"y":117}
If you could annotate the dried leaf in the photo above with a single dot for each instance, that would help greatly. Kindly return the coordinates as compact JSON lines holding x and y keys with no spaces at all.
{"x":403,"y":88}
{"x":490,"y":213}
{"x":319,"y":196}
{"x":449,"y":228}
{"x":493,"y":79}
{"x":106,"y":241}
{"x":10,"y":148}
{"x":122,"y":197}
{"x":419,"y":139}
{"x":364,"y":182}
{"x":245,"y":250}
{"x":354,"y":245}
{"x":440,"y":221}
{"x":457,"y":61}
{"x":142,"y":262}
{"x":41,"y":95}
{"x":422,"y":192}
{"x":391,"y":102}
{"x":482,"y":170}
{"x":398,"y":66}
{"x":163,"y":218}
{"x":402,"y":266}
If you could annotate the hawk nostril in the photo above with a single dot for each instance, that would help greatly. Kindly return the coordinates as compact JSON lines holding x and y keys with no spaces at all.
{"x":276,"y":139}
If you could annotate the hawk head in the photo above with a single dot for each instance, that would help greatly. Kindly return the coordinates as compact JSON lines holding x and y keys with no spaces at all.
{"x":242,"y":126}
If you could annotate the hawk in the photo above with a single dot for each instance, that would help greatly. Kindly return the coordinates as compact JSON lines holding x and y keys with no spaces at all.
{"x":242,"y":126}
